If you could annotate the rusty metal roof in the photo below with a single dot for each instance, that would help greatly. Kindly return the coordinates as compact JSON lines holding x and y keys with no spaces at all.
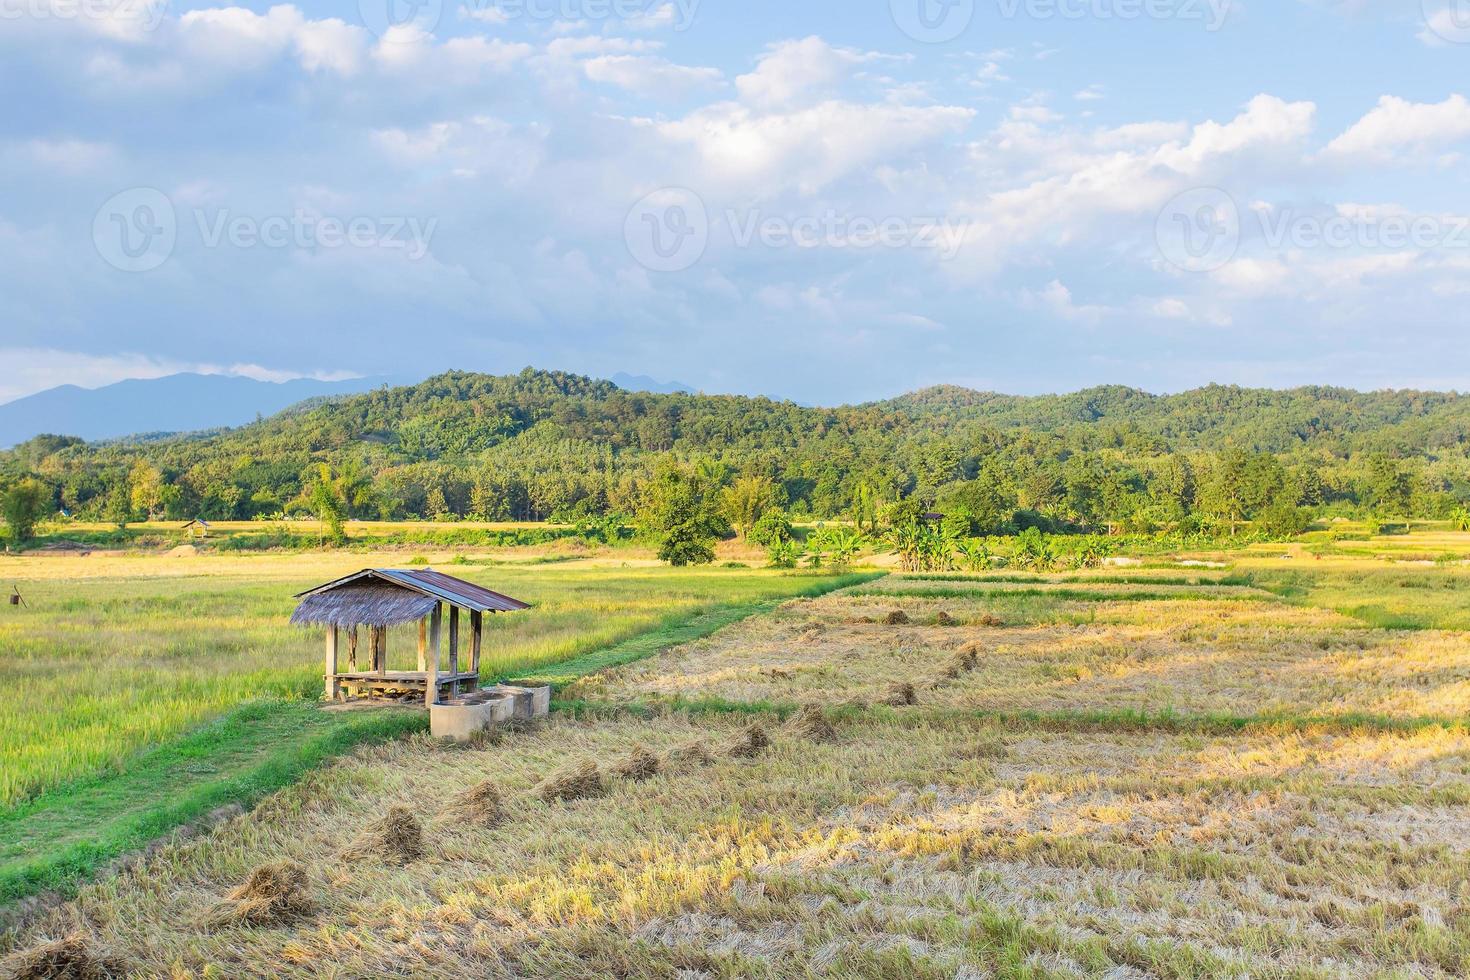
{"x":436,"y":585}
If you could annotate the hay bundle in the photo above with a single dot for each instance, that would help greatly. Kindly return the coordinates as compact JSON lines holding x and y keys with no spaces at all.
{"x":71,"y":958}
{"x":578,"y":782}
{"x":640,"y":764}
{"x":811,"y":723}
{"x":896,"y":618}
{"x":694,"y":755}
{"x":901,"y":695}
{"x":751,"y":743}
{"x":483,"y":805}
{"x":990,"y":619}
{"x":273,"y":894}
{"x":397,"y":838}
{"x":945,"y":619}
{"x":964,"y":661}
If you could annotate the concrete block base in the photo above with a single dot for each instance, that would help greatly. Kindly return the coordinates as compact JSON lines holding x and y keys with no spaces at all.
{"x":531,"y":702}
{"x":462,"y":718}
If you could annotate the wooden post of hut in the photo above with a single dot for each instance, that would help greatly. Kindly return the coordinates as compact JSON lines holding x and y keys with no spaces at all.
{"x":382,"y":598}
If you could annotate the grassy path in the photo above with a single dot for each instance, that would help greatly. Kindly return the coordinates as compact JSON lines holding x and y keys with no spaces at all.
{"x":60,"y":838}
{"x":1099,"y":721}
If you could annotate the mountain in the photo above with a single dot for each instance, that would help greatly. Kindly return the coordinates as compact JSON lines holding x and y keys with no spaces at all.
{"x":640,"y":382}
{"x":543,"y":443}
{"x":176,"y":403}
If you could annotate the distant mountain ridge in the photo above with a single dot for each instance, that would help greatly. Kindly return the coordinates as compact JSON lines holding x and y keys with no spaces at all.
{"x":172,"y":404}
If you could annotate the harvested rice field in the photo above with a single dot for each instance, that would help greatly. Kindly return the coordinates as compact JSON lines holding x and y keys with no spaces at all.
{"x":872,"y":784}
{"x":1188,"y":657}
{"x":943,"y":849}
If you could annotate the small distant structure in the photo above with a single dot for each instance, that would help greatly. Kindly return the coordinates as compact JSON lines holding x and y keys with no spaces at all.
{"x":932,"y":517}
{"x":378,"y":598}
{"x":197,"y":528}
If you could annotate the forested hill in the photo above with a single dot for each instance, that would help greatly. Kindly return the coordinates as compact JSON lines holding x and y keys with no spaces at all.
{"x":539,"y":444}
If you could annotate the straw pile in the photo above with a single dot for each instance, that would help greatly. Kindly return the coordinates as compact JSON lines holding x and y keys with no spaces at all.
{"x":751,"y":743}
{"x":577,"y":782}
{"x":640,"y":764}
{"x":682,"y":758}
{"x":71,"y":958}
{"x":482,"y":805}
{"x":273,"y":894}
{"x":811,"y":723}
{"x":396,"y":838}
{"x":901,"y":695}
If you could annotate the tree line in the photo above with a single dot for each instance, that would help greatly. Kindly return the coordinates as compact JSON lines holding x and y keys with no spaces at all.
{"x":552,"y":446}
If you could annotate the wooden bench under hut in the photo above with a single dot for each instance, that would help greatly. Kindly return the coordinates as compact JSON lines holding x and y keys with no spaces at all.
{"x":376,"y":599}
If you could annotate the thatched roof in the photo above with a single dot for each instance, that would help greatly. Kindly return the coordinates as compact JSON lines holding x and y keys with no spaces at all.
{"x":390,"y":597}
{"x":363,"y":603}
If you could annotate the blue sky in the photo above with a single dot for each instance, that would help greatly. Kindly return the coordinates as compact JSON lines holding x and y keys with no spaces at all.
{"x":820,"y":200}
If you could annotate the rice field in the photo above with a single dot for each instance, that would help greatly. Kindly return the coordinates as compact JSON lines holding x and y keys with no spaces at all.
{"x":115,"y":653}
{"x":1107,"y":776}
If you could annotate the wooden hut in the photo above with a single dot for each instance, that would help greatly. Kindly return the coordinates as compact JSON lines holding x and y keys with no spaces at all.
{"x":376,"y":599}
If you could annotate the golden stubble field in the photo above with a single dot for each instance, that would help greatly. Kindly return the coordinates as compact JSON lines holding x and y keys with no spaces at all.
{"x":1102,"y":787}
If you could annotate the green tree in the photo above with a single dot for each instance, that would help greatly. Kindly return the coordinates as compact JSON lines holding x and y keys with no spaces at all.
{"x":747,"y":500}
{"x":327,"y":505}
{"x":24,"y":505}
{"x":678,"y":514}
{"x":145,"y":490}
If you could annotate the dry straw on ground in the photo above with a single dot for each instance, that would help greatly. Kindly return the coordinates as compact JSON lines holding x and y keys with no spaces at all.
{"x":273,"y":894}
{"x":964,"y":661}
{"x":578,"y":782}
{"x":640,"y":764}
{"x":691,"y":755}
{"x":751,"y":743}
{"x":901,"y":695}
{"x":72,"y":958}
{"x":811,"y":723}
{"x":396,"y":838}
{"x":482,"y":805}
{"x":896,"y":618}
{"x":943,"y":618}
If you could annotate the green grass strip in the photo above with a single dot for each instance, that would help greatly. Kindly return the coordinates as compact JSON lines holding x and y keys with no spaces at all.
{"x":1068,"y":595}
{"x":679,"y":630}
{"x":1120,"y":721}
{"x":1041,"y":578}
{"x":55,"y":841}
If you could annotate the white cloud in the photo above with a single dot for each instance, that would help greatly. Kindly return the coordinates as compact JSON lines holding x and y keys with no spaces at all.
{"x":649,"y":75}
{"x":1396,"y":124}
{"x":799,"y":73}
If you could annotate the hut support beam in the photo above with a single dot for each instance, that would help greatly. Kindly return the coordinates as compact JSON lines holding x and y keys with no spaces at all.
{"x":454,"y":645}
{"x":423,"y":644}
{"x":477,"y":629}
{"x":352,"y":649}
{"x":334,"y":687}
{"x":436,"y":623}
